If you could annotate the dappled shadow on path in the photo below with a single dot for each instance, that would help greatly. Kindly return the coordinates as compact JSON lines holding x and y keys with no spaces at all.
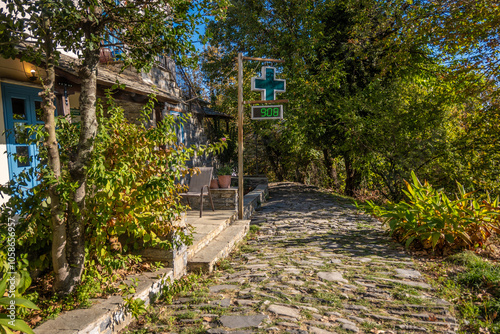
{"x":298,"y":215}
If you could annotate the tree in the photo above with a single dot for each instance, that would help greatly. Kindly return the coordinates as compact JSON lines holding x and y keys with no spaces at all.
{"x":464,"y":34}
{"x":343,"y":60}
{"x":35,"y":31}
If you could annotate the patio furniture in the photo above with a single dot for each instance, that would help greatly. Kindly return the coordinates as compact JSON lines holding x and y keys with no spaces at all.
{"x":197,"y":185}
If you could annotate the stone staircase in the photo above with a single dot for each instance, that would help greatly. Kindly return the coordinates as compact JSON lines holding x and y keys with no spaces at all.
{"x":215,"y":235}
{"x":218,"y":232}
{"x":213,"y":242}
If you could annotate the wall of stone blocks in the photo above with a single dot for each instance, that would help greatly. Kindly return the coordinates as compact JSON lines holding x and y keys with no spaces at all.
{"x":249,"y":181}
{"x":223,"y":199}
{"x":227,"y":199}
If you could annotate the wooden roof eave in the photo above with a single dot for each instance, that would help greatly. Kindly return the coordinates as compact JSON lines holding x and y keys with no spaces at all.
{"x":159,"y":96}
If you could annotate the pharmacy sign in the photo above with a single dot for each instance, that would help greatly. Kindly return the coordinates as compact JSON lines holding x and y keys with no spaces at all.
{"x":267,"y":84}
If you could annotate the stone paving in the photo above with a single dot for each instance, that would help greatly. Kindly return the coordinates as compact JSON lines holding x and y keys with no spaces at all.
{"x":314,"y":266}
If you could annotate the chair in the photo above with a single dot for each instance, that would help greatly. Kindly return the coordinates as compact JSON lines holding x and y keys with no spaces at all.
{"x":197,"y":184}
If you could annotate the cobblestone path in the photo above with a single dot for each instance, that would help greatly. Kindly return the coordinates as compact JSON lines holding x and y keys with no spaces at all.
{"x":314,"y":266}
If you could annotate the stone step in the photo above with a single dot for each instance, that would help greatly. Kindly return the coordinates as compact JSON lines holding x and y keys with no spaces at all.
{"x":206,"y":229}
{"x":219,"y":247}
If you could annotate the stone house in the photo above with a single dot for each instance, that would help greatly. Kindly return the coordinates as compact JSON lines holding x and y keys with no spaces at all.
{"x":19,"y":100}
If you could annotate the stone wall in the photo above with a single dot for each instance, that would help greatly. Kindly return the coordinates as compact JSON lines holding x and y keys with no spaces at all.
{"x":254,"y":199}
{"x":196,"y":135}
{"x":227,"y":199}
{"x":164,"y":76}
{"x":249,"y":182}
{"x":223,"y":199}
{"x":131,"y":110}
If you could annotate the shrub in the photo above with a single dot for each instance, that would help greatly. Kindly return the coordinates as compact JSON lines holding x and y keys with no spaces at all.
{"x":432,"y":220}
{"x":13,"y":283}
{"x":133,"y":188}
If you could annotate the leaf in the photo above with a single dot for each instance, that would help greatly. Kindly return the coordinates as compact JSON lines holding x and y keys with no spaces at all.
{"x":19,"y":325}
{"x":449,"y":238}
{"x":435,"y":238}
{"x":6,"y":329}
{"x":461,"y":189}
{"x":22,"y":302}
{"x":465,"y":237}
{"x":409,"y":241}
{"x":3,"y":285}
{"x":416,"y":182}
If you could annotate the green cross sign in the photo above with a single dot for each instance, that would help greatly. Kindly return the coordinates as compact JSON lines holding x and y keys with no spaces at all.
{"x":267,"y":84}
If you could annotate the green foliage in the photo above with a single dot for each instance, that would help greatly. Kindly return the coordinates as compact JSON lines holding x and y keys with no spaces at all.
{"x":13,"y":284}
{"x":365,"y":106}
{"x":225,"y":170}
{"x":474,"y":157}
{"x":97,"y":281}
{"x":181,"y":285}
{"x":140,"y":30}
{"x":135,"y":173}
{"x":134,"y":198}
{"x":368,"y":99}
{"x":134,"y":306}
{"x":480,"y":274}
{"x":472,"y":283}
{"x":464,"y":34}
{"x":136,"y":191}
{"x":434,"y":221}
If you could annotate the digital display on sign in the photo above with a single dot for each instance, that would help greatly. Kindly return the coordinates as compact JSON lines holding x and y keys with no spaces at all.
{"x":267,"y":112}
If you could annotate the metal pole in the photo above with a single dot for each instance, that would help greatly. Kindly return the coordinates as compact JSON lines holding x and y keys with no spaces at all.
{"x":240,"y":135}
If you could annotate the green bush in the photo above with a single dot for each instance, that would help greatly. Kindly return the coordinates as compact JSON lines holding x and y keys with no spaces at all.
{"x":13,"y":283}
{"x":132,"y":195}
{"x":134,"y":174}
{"x":433,"y":221}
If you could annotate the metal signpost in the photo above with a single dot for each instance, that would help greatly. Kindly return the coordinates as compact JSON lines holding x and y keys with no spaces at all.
{"x":268,"y":85}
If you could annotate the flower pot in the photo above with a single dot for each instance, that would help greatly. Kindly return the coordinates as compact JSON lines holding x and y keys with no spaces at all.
{"x":224,"y":181}
{"x":214,"y":184}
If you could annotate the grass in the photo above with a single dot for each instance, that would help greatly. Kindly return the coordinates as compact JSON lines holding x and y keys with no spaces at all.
{"x":187,"y":315}
{"x":407,"y":296}
{"x":254,"y":229}
{"x":365,"y":226}
{"x":248,"y":249}
{"x":331,"y":298}
{"x":225,"y":265}
{"x":370,"y":326}
{"x":480,"y":274}
{"x":472,"y":284}
{"x":194,"y":330}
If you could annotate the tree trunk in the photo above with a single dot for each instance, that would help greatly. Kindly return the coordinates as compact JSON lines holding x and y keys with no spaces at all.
{"x":75,"y":249}
{"x":274,"y":159}
{"x":330,"y":170}
{"x":353,"y":177}
{"x":59,"y":260}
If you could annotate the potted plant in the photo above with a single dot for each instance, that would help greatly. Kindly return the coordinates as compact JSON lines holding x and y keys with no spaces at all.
{"x":224,"y":176}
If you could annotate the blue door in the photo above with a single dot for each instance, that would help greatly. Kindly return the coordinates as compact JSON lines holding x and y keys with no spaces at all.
{"x":20,"y":105}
